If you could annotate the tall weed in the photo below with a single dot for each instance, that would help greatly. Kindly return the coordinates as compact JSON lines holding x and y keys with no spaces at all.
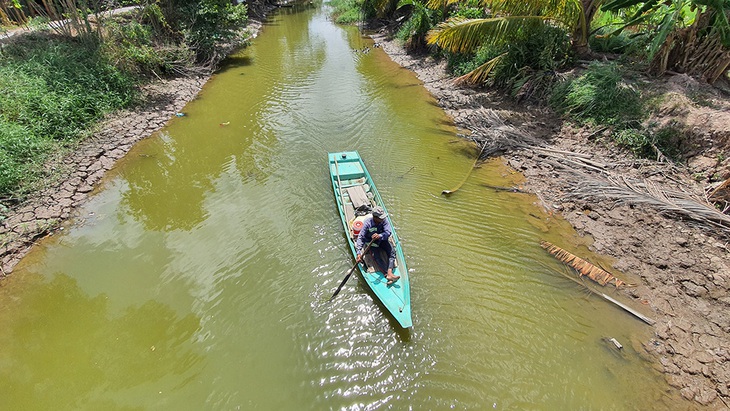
{"x":22,"y":154}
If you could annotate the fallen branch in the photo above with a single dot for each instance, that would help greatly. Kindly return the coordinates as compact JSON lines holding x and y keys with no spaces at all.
{"x":508,"y":189}
{"x":447,"y":192}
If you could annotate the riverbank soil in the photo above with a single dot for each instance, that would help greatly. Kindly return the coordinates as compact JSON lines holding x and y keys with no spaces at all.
{"x":636,"y":211}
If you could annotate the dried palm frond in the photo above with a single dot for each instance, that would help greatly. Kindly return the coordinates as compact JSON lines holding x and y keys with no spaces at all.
{"x":582,"y":266}
{"x":720,"y":196}
{"x":645,"y":193}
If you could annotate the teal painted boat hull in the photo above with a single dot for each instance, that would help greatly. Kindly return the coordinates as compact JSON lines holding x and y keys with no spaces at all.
{"x":347,"y":170}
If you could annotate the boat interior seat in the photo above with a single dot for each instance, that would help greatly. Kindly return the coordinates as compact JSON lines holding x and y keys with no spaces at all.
{"x":358,"y":196}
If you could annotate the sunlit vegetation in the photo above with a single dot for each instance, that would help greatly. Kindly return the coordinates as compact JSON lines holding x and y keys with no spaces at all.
{"x":599,"y":96}
{"x":53,"y":89}
{"x":346,"y":11}
{"x":60,"y":80}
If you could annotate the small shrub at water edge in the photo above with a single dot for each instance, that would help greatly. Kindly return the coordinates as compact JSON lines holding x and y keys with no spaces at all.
{"x":346,"y":11}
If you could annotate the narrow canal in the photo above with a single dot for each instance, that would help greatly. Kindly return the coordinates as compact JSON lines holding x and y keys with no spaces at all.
{"x":197,"y":277}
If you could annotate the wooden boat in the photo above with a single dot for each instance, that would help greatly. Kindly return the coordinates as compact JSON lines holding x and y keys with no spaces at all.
{"x":355,"y":194}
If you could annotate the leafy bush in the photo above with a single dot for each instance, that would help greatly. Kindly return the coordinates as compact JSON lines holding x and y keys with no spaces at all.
{"x":205,"y":25}
{"x":421,"y":20}
{"x":632,"y":45}
{"x":606,"y":42}
{"x":599,"y":96}
{"x":646,"y":142}
{"x":537,"y":49}
{"x":469,"y":9}
{"x":130,"y":45}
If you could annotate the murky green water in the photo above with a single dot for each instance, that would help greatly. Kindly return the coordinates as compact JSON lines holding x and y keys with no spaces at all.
{"x":197,"y":278}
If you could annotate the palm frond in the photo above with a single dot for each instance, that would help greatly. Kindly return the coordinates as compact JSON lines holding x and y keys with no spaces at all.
{"x":465,"y":35}
{"x":616,"y":5}
{"x":569,"y":13}
{"x":646,"y":194}
{"x":440,"y":4}
{"x":481,"y":73}
{"x":582,"y":266}
{"x":670,"y":21}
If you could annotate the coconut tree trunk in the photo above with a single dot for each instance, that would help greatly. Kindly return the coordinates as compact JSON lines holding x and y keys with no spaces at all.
{"x":590,"y":7}
{"x":580,"y":36}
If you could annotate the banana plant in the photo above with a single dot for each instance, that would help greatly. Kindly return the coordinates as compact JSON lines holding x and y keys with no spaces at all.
{"x":701,"y":48}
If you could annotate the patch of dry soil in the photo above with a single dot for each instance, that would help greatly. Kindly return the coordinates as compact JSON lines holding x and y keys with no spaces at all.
{"x":680,"y":254}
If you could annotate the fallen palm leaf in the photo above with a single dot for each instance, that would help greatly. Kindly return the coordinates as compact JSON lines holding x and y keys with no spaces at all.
{"x":624,"y":307}
{"x":647,"y":194}
{"x":583,"y":267}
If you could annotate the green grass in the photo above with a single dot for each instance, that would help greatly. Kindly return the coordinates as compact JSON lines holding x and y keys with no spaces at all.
{"x":346,"y":11}
{"x":53,"y":90}
{"x":599,"y":96}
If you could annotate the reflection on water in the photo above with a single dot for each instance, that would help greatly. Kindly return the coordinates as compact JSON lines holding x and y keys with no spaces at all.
{"x":199,"y":277}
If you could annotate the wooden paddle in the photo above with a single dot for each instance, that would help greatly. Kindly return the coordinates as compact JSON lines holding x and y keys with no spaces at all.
{"x":349,"y":273}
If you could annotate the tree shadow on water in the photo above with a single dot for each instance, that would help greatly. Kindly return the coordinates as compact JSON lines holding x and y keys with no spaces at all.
{"x":234,"y":61}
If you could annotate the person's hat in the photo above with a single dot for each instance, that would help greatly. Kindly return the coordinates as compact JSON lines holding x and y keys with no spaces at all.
{"x":379,"y":213}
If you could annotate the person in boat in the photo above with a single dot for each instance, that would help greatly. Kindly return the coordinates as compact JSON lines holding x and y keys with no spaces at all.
{"x":377,"y":229}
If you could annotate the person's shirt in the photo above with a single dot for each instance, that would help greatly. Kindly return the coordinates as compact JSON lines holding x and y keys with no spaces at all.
{"x":368,"y":229}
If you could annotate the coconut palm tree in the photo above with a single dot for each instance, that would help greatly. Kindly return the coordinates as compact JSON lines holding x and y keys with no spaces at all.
{"x":509,"y":19}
